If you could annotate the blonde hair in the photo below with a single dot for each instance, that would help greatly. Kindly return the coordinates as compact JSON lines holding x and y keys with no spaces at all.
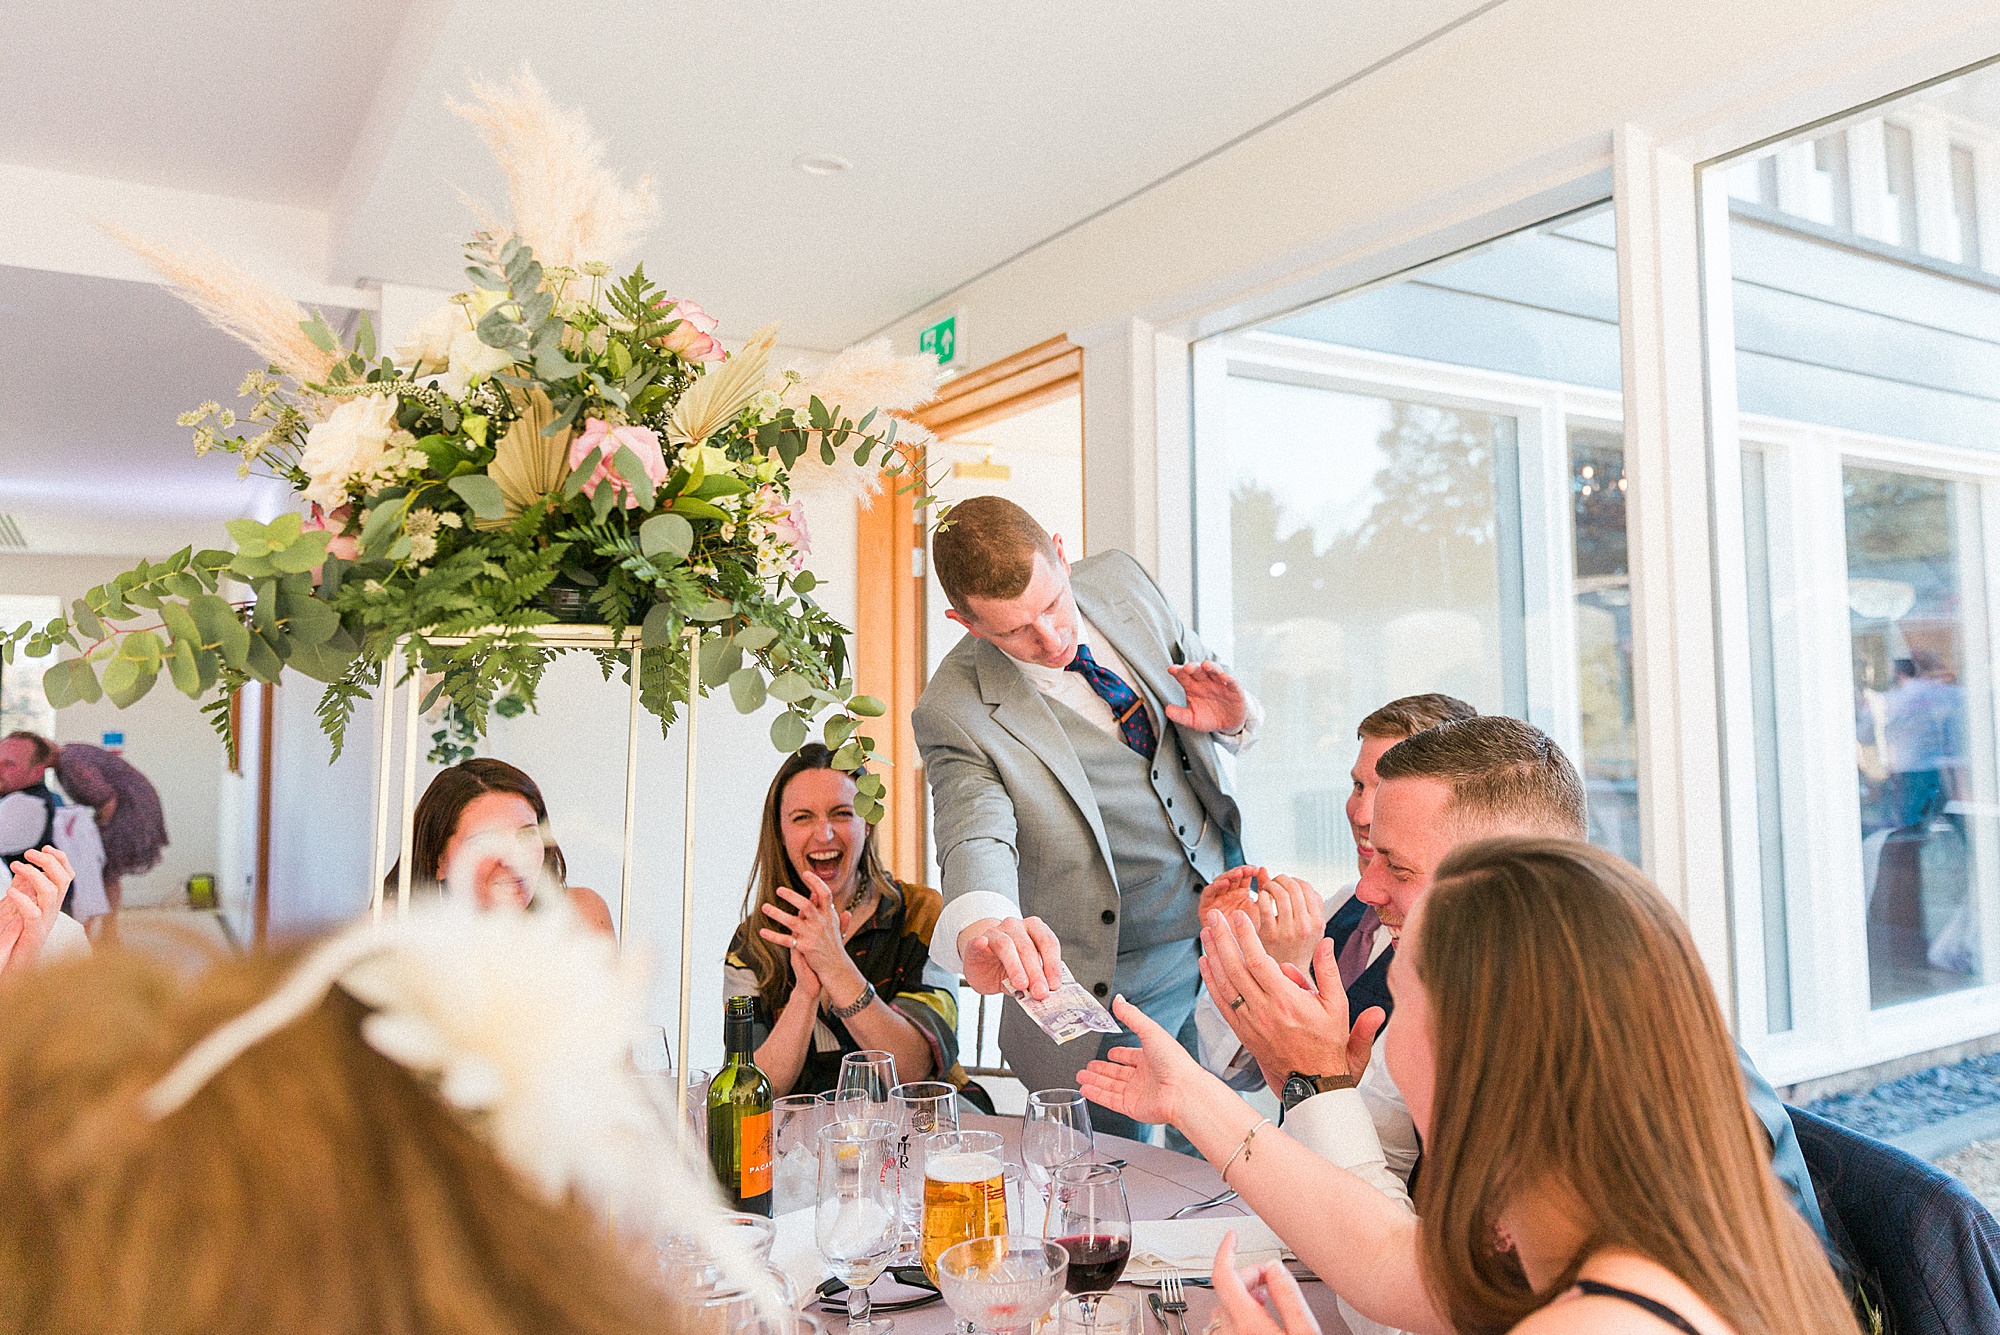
{"x":313,"y":1186}
{"x":1578,"y":1044}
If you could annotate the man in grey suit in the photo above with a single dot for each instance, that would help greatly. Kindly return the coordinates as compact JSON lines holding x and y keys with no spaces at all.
{"x":1070,"y":741}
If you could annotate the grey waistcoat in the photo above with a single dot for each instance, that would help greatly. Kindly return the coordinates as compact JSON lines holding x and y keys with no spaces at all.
{"x":1164,"y":847}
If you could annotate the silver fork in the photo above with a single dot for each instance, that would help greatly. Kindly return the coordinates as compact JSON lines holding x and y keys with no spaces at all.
{"x":1227,"y":1195}
{"x":1173,"y":1299}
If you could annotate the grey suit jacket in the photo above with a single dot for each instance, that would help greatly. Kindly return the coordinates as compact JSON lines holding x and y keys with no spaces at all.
{"x":1013,"y":810}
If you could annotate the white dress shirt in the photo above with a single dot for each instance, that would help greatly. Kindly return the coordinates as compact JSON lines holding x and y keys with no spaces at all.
{"x":1073,"y":691}
{"x":1369,"y":1132}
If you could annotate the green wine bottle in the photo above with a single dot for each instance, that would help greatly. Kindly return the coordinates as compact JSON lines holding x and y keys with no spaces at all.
{"x":739,"y":1117}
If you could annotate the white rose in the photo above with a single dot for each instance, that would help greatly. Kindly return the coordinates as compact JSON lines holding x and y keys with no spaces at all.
{"x":471,"y":360}
{"x":427,"y":347}
{"x":352,"y":440}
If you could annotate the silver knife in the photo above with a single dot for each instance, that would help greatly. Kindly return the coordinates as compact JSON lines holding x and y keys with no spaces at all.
{"x":1153,"y":1301}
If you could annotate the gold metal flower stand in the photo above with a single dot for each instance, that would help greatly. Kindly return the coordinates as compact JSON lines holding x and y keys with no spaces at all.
{"x":560,"y":637}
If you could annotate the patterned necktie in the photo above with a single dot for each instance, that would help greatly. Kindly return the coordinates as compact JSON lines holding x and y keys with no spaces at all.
{"x":1134,"y":724}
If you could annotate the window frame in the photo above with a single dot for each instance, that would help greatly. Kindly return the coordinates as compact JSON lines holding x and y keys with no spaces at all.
{"x":1544,"y":411}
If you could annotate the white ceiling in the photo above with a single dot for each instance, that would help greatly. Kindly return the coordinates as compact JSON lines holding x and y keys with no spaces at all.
{"x":976,"y":131}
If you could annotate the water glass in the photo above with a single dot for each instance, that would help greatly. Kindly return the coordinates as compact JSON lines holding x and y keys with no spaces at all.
{"x":795,"y":1123}
{"x":870,"y":1072}
{"x":855,"y":1215}
{"x":1089,"y":1215}
{"x":1098,"y":1314}
{"x":1055,"y":1131}
{"x":920,"y":1108}
{"x":1004,"y":1284}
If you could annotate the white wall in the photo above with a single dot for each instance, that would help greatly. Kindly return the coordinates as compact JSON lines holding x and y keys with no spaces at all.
{"x":1521,"y":99}
{"x":166,"y":737}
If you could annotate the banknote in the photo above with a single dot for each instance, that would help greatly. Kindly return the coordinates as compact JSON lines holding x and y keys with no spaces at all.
{"x":1068,"y":1012}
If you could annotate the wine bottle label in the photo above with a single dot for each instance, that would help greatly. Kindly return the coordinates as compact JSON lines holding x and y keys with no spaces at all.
{"x":754,"y":1151}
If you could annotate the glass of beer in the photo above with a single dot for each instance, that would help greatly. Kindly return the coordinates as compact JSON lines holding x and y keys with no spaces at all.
{"x":965,"y":1194}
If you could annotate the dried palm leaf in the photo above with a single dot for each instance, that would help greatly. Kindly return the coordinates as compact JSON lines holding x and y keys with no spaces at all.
{"x":251,"y":311}
{"x":527,"y":464}
{"x":722,"y":393}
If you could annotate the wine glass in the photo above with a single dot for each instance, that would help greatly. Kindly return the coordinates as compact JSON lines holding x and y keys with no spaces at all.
{"x":871,"y":1072}
{"x":921,"y":1108}
{"x":1088,"y":1214}
{"x":855,"y":1218}
{"x":1056,"y":1132}
{"x":1002,"y":1284}
{"x":1098,"y":1314}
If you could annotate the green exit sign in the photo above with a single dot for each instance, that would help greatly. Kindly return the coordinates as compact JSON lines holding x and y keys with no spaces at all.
{"x":941,"y":341}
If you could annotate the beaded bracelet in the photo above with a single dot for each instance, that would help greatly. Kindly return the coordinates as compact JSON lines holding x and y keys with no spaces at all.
{"x":1244,"y":1149}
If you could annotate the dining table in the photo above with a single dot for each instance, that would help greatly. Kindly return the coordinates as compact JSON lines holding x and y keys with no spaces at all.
{"x":1157,"y":1182}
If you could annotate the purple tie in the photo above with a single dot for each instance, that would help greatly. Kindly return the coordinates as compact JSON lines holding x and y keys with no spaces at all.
{"x":1134,"y":724}
{"x":1353,"y":957}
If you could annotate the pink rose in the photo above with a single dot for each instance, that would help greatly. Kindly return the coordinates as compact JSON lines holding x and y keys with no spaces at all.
{"x":606,"y":439}
{"x":694,"y":337}
{"x":345,"y":546}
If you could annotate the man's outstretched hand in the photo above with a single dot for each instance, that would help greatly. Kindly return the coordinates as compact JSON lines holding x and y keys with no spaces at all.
{"x":1011,"y":955}
{"x":1215,"y":703}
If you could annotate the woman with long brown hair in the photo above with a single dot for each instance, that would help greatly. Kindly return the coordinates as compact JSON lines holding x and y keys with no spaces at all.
{"x":1590,"y":1163}
{"x":484,"y":796}
{"x":833,"y":947}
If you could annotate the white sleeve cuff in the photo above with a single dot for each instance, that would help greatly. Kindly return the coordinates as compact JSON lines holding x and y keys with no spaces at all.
{"x":1338,"y":1128}
{"x":960,"y":914}
{"x":1245,"y":737}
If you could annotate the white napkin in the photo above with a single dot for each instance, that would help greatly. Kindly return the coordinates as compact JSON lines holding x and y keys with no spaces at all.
{"x":796,"y":1252}
{"x":1188,"y":1245}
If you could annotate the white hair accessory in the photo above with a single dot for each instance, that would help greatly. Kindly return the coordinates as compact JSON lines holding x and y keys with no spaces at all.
{"x":522,"y":1021}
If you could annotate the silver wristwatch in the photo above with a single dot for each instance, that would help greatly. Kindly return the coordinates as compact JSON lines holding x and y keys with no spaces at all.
{"x":856,"y":1006}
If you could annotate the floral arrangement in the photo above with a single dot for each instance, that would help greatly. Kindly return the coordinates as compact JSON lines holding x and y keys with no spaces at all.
{"x":552,"y":444}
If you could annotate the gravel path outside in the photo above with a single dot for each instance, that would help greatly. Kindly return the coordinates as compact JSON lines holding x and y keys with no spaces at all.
{"x":1978,"y":1166}
{"x":1916,"y":1100}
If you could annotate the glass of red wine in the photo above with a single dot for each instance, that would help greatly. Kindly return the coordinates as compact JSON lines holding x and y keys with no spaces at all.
{"x":1089,"y":1216}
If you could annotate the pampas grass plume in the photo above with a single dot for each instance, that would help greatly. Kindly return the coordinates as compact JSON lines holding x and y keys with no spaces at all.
{"x":869,"y":375}
{"x":253,"y":312}
{"x":568,"y":206}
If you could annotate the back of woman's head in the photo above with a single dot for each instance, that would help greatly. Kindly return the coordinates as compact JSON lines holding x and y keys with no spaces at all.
{"x":443,"y":805}
{"x":312,"y":1186}
{"x":1579,"y":1049}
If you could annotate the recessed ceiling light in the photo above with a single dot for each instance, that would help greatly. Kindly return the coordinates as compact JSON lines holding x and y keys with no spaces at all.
{"x":821,"y":164}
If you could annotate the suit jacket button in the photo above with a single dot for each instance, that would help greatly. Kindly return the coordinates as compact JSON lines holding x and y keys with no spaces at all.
{"x":1156,"y":776}
{"x":1101,"y":989}
{"x":1109,"y":916}
{"x":1170,"y":802}
{"x":1182,"y":829}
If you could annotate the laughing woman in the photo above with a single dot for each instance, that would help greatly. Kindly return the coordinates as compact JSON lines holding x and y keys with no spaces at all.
{"x":832,"y":946}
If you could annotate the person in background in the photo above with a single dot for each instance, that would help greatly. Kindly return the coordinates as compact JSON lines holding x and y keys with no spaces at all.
{"x":1288,"y":911}
{"x":1072,"y":742}
{"x":482,"y":796}
{"x":27,"y":807}
{"x":1590,"y":1164}
{"x":832,"y":947}
{"x":33,"y":928}
{"x":129,"y":820}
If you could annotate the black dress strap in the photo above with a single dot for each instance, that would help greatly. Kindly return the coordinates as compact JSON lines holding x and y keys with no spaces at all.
{"x":1650,"y":1306}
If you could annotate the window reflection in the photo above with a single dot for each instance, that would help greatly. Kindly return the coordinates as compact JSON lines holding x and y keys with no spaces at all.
{"x":1609,"y":757}
{"x":1904,"y":556}
{"x":1366,"y":565}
